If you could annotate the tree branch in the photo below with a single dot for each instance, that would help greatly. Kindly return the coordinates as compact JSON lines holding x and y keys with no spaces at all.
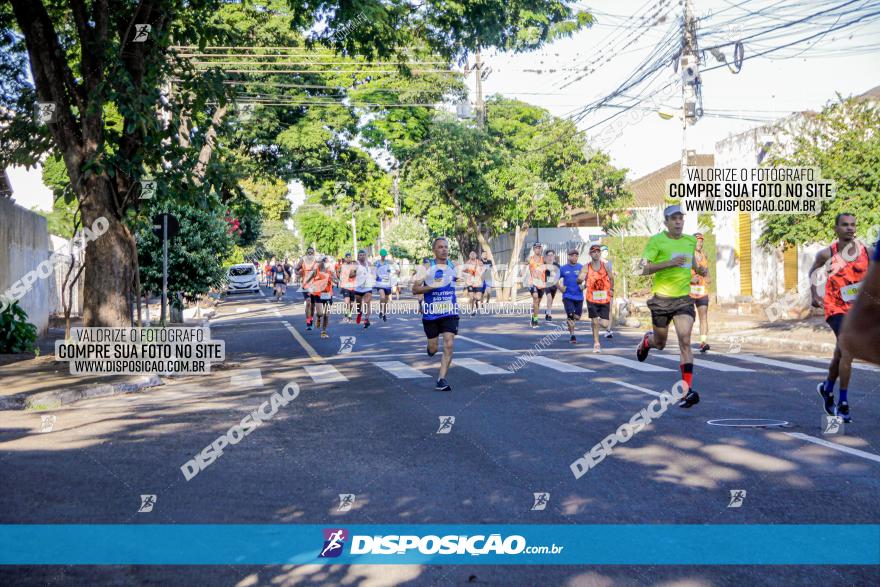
{"x":208,"y":148}
{"x":52,"y":77}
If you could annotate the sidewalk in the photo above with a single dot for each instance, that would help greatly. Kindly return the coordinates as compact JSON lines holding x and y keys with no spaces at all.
{"x":727,"y":328}
{"x":40,"y":382}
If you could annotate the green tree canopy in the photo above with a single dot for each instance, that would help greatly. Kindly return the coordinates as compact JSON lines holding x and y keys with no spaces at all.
{"x":843,"y":142}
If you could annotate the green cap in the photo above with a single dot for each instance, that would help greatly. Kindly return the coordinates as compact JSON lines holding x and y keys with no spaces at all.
{"x":383,"y":253}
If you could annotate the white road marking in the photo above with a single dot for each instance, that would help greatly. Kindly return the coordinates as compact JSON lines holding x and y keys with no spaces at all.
{"x":324,"y":373}
{"x":637,"y":387}
{"x":780,"y":364}
{"x":855,"y":365}
{"x":838,"y":447}
{"x":242,"y":310}
{"x":262,"y":295}
{"x":400,"y":370}
{"x":246,"y":378}
{"x":621,"y":362}
{"x":276,"y":312}
{"x":479,"y":367}
{"x":479,"y":342}
{"x":711,"y":365}
{"x":303,"y":342}
{"x":555,"y":365}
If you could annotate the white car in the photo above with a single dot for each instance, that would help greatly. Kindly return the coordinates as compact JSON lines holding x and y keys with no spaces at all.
{"x":242,"y":277}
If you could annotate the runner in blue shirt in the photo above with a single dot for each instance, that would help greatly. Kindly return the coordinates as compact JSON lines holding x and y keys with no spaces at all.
{"x":571,"y":286}
{"x":440,"y":307}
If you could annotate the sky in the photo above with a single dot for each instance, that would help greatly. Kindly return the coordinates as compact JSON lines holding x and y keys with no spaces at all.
{"x":767,"y":88}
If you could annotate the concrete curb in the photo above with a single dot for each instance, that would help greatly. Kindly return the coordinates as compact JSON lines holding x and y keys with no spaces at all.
{"x":57,"y":398}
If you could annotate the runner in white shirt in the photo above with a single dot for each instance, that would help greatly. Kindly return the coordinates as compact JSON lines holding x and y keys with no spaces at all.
{"x":384,"y":269}
{"x":365,"y":279}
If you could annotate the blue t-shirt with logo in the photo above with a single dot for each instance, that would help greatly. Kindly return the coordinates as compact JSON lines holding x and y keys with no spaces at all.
{"x":568,"y":274}
{"x":441,"y":302}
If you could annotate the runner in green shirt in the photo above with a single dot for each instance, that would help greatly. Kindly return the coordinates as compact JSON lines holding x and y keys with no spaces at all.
{"x":669,"y":257}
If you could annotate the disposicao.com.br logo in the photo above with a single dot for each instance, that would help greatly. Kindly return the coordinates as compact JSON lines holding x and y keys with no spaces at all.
{"x":393,"y":544}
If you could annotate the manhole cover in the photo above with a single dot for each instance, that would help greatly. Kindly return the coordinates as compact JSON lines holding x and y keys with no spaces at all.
{"x":748,"y":423}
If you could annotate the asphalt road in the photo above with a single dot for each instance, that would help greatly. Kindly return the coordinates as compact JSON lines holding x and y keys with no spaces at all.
{"x":366,"y":423}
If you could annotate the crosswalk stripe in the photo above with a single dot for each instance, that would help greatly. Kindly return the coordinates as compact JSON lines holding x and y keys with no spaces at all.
{"x":481,"y":343}
{"x":555,"y":365}
{"x":400,"y":370}
{"x":855,"y":365}
{"x":324,"y":373}
{"x":637,"y":388}
{"x":834,"y":446}
{"x":780,"y":364}
{"x":711,"y":365}
{"x":479,"y":367}
{"x":621,"y":362}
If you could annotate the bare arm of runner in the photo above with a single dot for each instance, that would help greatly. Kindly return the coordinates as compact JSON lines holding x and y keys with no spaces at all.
{"x":649,"y":268}
{"x":822,"y":258}
{"x":309,"y":277}
{"x":421,"y":288}
{"x":610,"y":276}
{"x":698,"y":269}
{"x":860,"y":336}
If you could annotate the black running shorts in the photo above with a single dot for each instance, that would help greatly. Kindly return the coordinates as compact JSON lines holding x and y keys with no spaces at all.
{"x":433,"y":328}
{"x":835,"y":321}
{"x":664,"y":309}
{"x":702,"y":301}
{"x":602,"y":311}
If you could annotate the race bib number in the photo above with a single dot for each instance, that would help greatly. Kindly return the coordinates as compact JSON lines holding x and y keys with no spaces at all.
{"x":600,"y":296}
{"x":849,"y":292}
{"x":326,"y":296}
{"x":698,"y":290}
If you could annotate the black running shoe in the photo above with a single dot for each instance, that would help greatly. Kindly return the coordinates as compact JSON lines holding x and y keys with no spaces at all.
{"x":704,"y":347}
{"x":430,"y":354}
{"x":573,"y":339}
{"x":442,"y":385}
{"x":843,"y":411}
{"x":384,"y":317}
{"x":691,"y":399}
{"x":548,"y":318}
{"x":642,"y":351}
{"x":827,"y":399}
{"x":366,"y":324}
{"x":308,"y":326}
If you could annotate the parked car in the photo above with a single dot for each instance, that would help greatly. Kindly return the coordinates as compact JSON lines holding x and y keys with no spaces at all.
{"x":242,"y":277}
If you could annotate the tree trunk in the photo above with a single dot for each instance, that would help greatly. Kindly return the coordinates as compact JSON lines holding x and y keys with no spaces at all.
{"x":484,"y":243}
{"x":109,"y":261}
{"x":511,"y":278}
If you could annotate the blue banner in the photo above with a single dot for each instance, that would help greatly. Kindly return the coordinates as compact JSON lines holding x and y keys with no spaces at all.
{"x":205,"y":544}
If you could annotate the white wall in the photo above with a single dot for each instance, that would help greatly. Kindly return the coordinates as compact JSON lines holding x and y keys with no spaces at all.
{"x":24,"y":244}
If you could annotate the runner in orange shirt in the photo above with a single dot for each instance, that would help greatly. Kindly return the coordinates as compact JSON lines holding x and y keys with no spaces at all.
{"x":473,"y":279}
{"x":302,"y":268}
{"x":599,"y":290}
{"x":846,"y":264}
{"x":320,"y":280}
{"x":700,"y":292}
{"x":537,"y":282}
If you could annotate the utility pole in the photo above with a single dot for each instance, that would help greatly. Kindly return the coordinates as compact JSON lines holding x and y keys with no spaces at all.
{"x":691,"y":96}
{"x":395,"y":189}
{"x":479,"y":105}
